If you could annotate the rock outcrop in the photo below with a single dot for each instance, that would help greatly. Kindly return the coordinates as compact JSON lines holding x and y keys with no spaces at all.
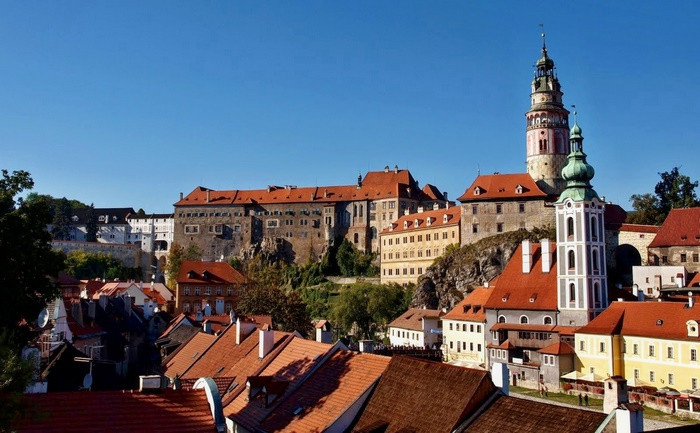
{"x":452,"y":276}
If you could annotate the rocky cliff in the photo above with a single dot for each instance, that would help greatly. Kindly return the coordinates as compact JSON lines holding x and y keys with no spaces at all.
{"x":456,"y":273}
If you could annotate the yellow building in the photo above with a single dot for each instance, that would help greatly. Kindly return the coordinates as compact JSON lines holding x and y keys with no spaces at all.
{"x":464,"y":329}
{"x":411,"y":243}
{"x":649,"y":343}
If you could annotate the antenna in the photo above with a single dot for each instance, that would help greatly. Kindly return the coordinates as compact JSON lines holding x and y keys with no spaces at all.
{"x":575,"y":113}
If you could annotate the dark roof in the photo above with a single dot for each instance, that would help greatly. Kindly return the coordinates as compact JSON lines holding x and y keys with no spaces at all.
{"x":417,"y":395}
{"x":117,"y":215}
{"x":505,"y":413}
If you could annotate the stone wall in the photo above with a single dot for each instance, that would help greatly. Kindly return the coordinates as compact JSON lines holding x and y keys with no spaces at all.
{"x":129,"y":255}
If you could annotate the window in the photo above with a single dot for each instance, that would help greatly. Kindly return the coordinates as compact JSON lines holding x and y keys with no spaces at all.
{"x":624,"y":347}
{"x":670,"y":378}
{"x":450,"y":326}
{"x":594,"y":228}
{"x":694,"y":383}
{"x":547,"y":320}
{"x":521,"y":207}
{"x":635,"y":349}
{"x":229,"y":291}
{"x":475,"y":228}
{"x":669,"y":353}
{"x":197,"y":291}
{"x":499,"y":227}
{"x":475,"y":209}
{"x":595,"y":260}
{"x":218,"y":291}
{"x":696,"y":257}
{"x":582,"y":346}
{"x":191,"y":229}
{"x":471,"y":328}
{"x":427,"y":237}
{"x":684,"y":258}
{"x":187,"y":290}
{"x":501,"y":319}
{"x":652,"y":376}
{"x":570,"y":227}
{"x":572,"y":260}
{"x":273,"y":223}
{"x":478,"y":328}
{"x":572,"y":293}
{"x":651,"y":350}
{"x":602,"y":347}
{"x":523,"y":320}
{"x":499,"y":208}
{"x":186,"y":307}
{"x":207,"y":291}
{"x":693,"y":355}
{"x":636,"y":373}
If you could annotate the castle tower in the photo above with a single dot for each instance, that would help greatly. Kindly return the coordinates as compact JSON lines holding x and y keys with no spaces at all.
{"x":582,"y":281}
{"x":547,"y":128}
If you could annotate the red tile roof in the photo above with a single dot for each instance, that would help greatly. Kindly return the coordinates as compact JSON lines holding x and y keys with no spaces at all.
{"x":638,"y":228}
{"x":187,"y":354}
{"x":117,"y":411}
{"x":533,"y":291}
{"x":557,"y":349}
{"x":327,"y":393}
{"x":523,"y":327}
{"x":375,"y":185}
{"x":681,"y":228}
{"x":508,"y":414}
{"x":420,"y":396}
{"x":431,"y":192}
{"x":289,"y":365}
{"x":502,"y":186}
{"x":472,"y":307}
{"x":695,"y":281}
{"x":413,"y":318}
{"x":193,"y":272}
{"x":661,"y":320}
{"x":419,"y":221}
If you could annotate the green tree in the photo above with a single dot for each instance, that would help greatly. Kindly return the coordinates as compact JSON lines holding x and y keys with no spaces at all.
{"x":674,"y":190}
{"x":369,"y":307}
{"x":288,"y":310}
{"x":175,"y":258}
{"x":345,"y":257}
{"x":27,"y":281}
{"x":88,"y":265}
{"x":62,"y":213}
{"x":91,"y":224}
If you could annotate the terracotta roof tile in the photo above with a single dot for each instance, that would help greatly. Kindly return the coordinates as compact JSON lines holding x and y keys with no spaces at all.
{"x":636,"y":228}
{"x":536,"y":290}
{"x":290,"y":364}
{"x":416,"y":395}
{"x":502,"y":186}
{"x":327,"y":393}
{"x":413,"y":318}
{"x":662,"y":320}
{"x":559,"y":348}
{"x":118,"y":411}
{"x":681,"y":228}
{"x":505,"y":413}
{"x":419,"y":221}
{"x":187,"y":354}
{"x":472,"y":307}
{"x":431,"y":192}
{"x":209,"y":272}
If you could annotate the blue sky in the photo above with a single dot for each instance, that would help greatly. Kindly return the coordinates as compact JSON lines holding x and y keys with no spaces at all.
{"x":130,"y":103}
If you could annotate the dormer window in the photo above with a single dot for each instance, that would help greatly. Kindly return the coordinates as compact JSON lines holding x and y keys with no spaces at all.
{"x":75,"y":218}
{"x":428,"y":221}
{"x":465,"y":309}
{"x":391,"y":227}
{"x":692,"y":326}
{"x":405,"y":224}
{"x":519,"y":189}
{"x":444,"y":219}
{"x":101,"y":218}
{"x":477,"y":190}
{"x":415,"y":222}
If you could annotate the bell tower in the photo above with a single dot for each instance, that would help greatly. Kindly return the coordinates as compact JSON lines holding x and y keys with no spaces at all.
{"x":547,"y":128}
{"x":581,"y":270}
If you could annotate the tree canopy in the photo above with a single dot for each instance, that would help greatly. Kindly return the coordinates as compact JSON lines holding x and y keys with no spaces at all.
{"x":674,"y":190}
{"x":288,"y":310}
{"x":87,"y":265}
{"x":177,"y":254}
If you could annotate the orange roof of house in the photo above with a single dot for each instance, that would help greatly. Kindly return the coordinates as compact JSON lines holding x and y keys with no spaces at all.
{"x":375,"y":185}
{"x":681,"y":228}
{"x":502,"y":186}
{"x":419,"y":220}
{"x":695,"y":281}
{"x":327,"y":393}
{"x":660,"y":320}
{"x":187,"y":354}
{"x":431,"y":192}
{"x":290,"y":365}
{"x":193,"y":272}
{"x":413,"y":318}
{"x":419,"y":396}
{"x":507,"y":414}
{"x":559,"y":348}
{"x":471,"y":308}
{"x":638,"y":228}
{"x":117,"y":411}
{"x":536,"y":290}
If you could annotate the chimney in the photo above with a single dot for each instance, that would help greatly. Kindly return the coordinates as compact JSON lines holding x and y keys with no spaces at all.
{"x":527,"y":257}
{"x":420,"y":209}
{"x":366,"y":346}
{"x":546,"y":256}
{"x":386,"y":169}
{"x":198,"y":316}
{"x":181,"y":196}
{"x":359,"y":181}
{"x":207,"y":196}
{"x":406,"y":211}
{"x":615,"y":393}
{"x":324,"y":333}
{"x":499,"y":376}
{"x":444,"y":194}
{"x":436,"y":206}
{"x":267,"y":341}
{"x":149,"y":383}
{"x":207,"y":310}
{"x":207,"y":327}
{"x":91,"y":309}
{"x":396,"y":169}
{"x":679,"y":281}
{"x":691,"y":301}
{"x":220,"y":306}
{"x":77,"y":313}
{"x":629,"y":417}
{"x":147,"y":309}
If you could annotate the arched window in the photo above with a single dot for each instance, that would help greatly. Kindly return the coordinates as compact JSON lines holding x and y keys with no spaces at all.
{"x":570,"y":227}
{"x":572,"y":259}
{"x":572,"y":293}
{"x":596,"y":266}
{"x":524,"y":320}
{"x":547,"y":320}
{"x":596,"y":295}
{"x":594,"y":228}
{"x":501,"y":319}
{"x":374,"y":233}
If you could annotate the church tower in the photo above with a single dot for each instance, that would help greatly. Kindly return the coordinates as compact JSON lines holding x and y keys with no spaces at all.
{"x":547,"y":128}
{"x":581,"y":275}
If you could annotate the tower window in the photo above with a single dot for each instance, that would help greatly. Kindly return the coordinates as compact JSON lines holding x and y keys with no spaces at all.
{"x":570,"y":227}
{"x":572,"y":259}
{"x":594,"y":228}
{"x":572,"y":293}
